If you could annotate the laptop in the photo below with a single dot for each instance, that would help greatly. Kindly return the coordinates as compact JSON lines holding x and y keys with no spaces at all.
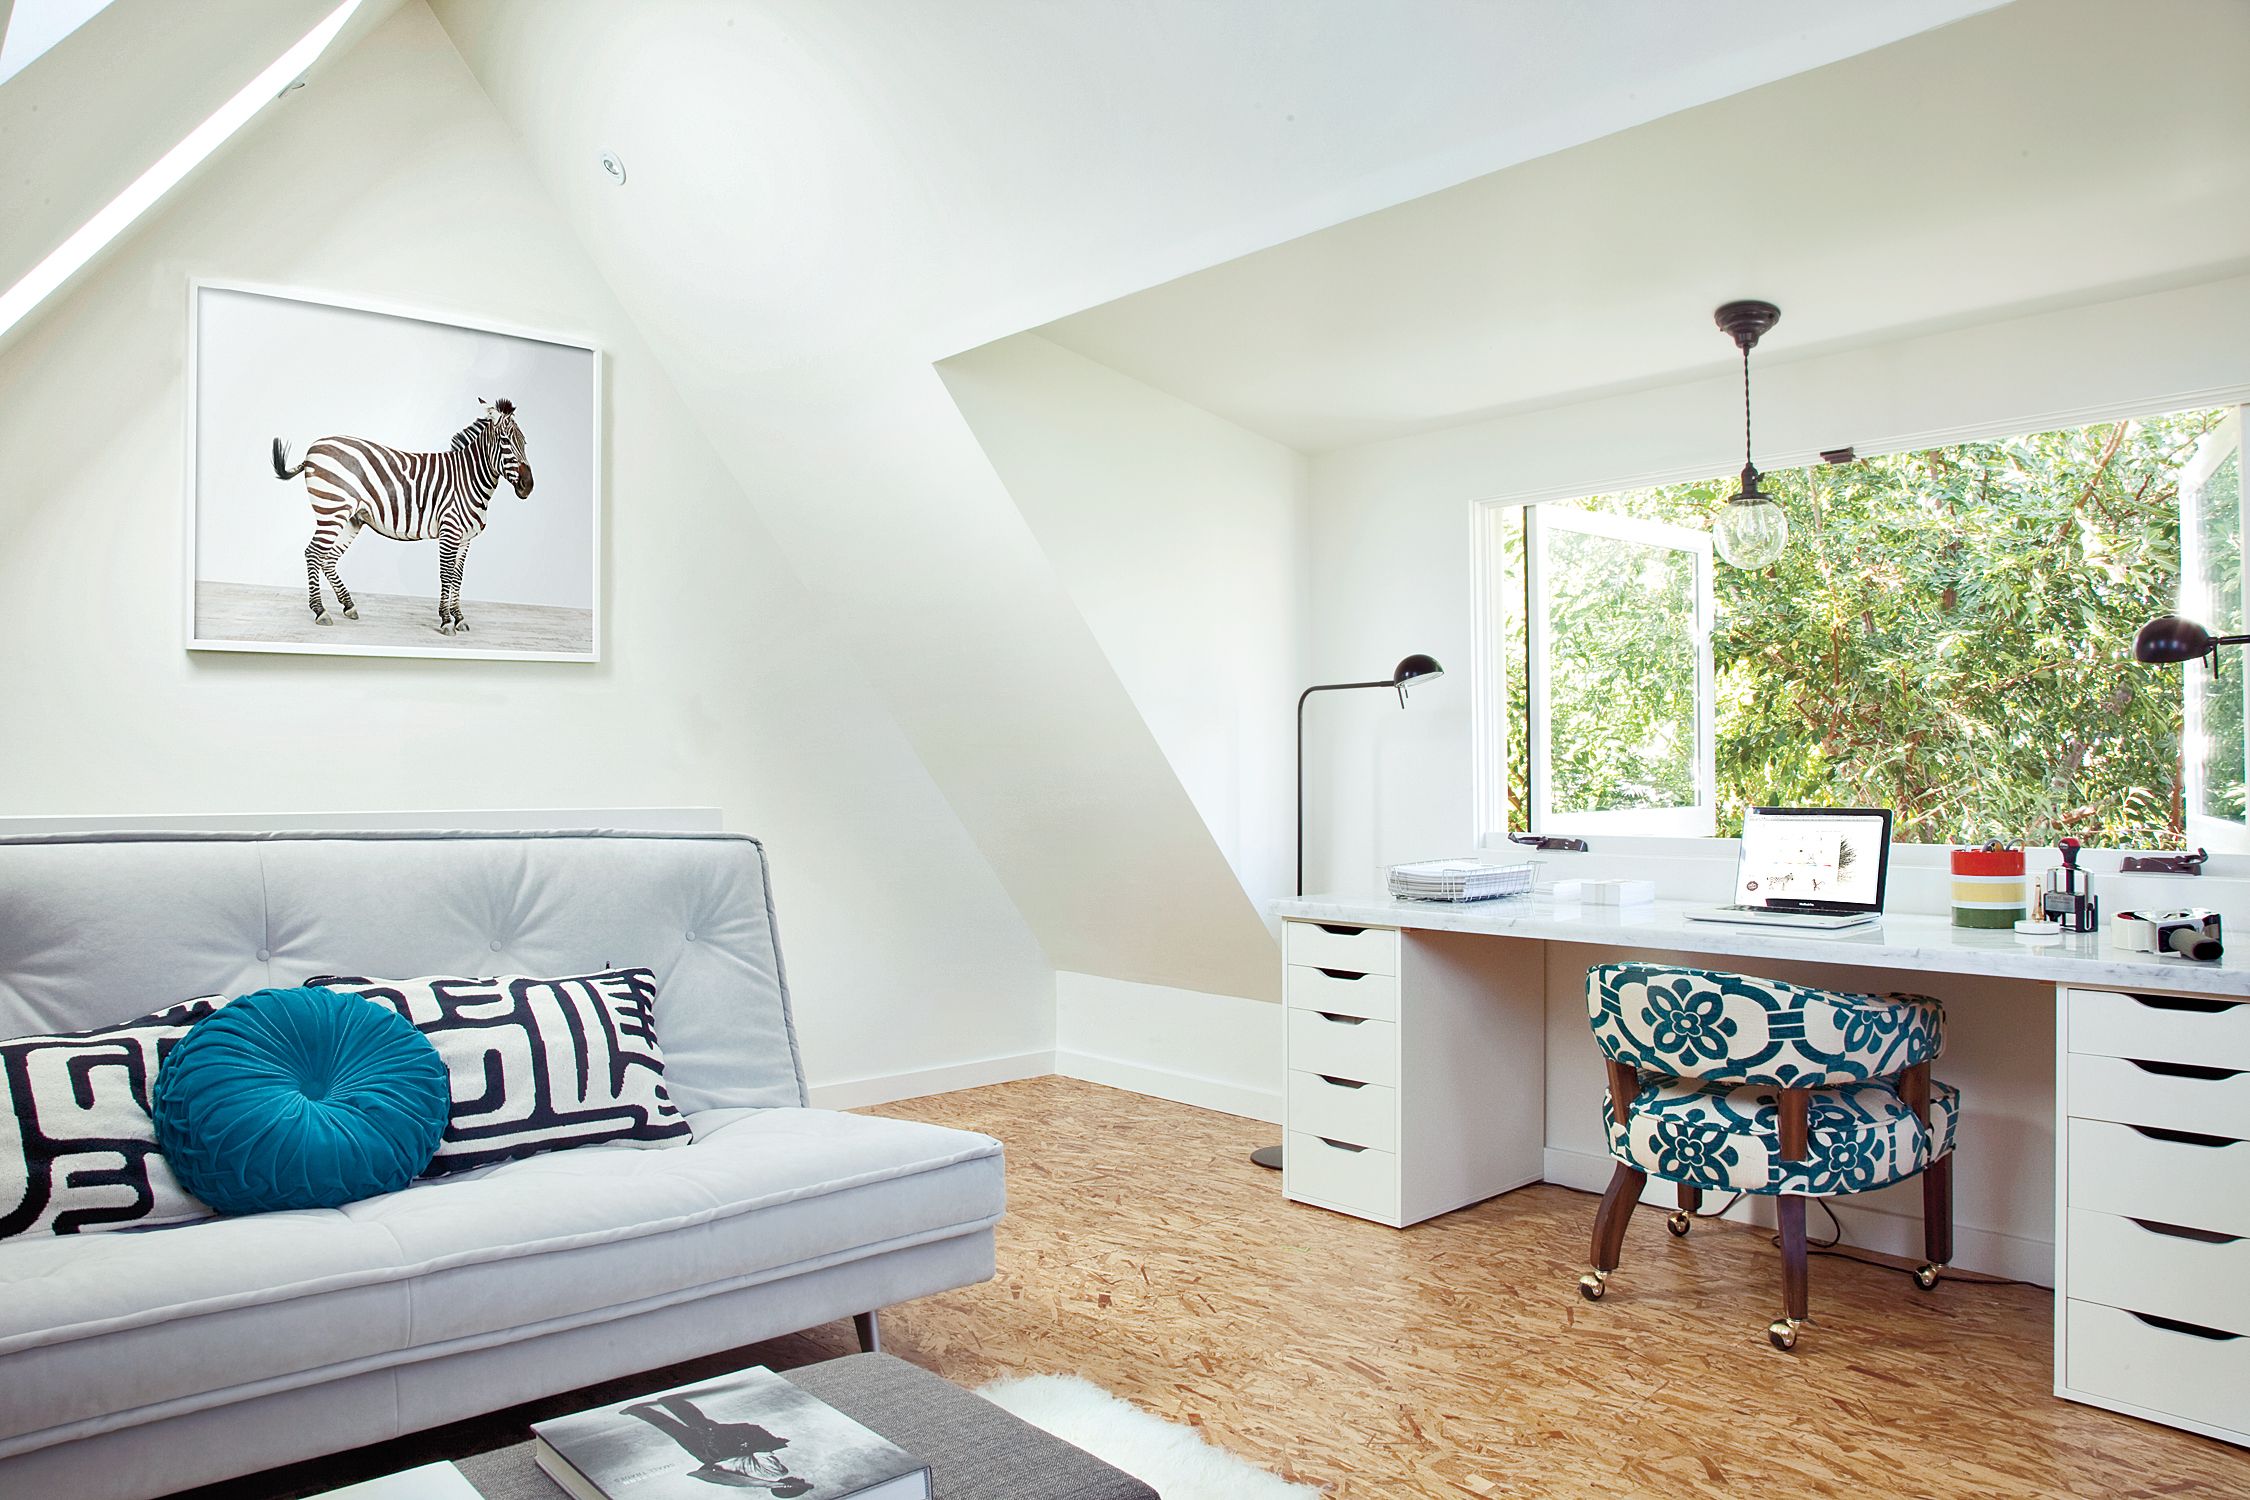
{"x":1822,"y":868}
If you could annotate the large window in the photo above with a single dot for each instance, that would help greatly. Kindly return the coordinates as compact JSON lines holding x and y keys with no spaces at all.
{"x":1948,"y":635}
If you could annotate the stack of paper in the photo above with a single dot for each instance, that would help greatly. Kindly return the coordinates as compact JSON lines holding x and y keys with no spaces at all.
{"x":1460,"y":880}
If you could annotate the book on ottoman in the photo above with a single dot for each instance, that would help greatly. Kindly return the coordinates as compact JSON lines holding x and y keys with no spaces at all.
{"x":750,"y":1431}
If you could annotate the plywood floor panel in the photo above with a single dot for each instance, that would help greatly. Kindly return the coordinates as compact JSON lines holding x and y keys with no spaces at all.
{"x":1143,"y":1251}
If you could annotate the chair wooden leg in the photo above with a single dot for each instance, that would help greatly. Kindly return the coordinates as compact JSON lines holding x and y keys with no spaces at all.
{"x":1796,"y":1278}
{"x":1937,"y":1221}
{"x":1625,"y":1184}
{"x":1691,"y":1202}
{"x":870,"y":1333}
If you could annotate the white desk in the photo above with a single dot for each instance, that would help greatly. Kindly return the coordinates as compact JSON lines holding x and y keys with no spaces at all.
{"x":1416,"y":1078}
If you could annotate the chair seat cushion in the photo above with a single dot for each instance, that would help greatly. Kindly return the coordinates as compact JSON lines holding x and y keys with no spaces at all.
{"x":1728,"y":1138}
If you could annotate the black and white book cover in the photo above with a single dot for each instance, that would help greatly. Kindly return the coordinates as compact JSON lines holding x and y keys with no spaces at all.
{"x":751,"y":1431}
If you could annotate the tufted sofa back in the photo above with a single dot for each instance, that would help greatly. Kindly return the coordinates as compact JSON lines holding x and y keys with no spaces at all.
{"x":97,"y":928}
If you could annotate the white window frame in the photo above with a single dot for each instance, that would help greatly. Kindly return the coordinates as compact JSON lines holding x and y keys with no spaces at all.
{"x":2222,"y":834}
{"x":1698,"y":819}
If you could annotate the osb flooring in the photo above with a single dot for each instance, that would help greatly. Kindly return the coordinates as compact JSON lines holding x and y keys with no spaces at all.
{"x":1143,"y":1251}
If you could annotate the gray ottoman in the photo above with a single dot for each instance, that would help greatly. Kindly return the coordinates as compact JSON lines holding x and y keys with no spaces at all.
{"x":975,"y":1450}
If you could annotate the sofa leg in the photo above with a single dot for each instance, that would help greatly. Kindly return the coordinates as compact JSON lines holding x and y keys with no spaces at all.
{"x":870,"y":1335}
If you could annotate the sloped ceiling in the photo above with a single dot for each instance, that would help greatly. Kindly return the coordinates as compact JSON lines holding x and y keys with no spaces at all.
{"x":825,"y":196}
{"x":2036,"y":155}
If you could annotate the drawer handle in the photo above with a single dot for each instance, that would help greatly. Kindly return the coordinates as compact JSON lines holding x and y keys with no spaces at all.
{"x":1355,"y":1150}
{"x":2183,"y":1137}
{"x":1329,"y":1015}
{"x":2182,"y":1232}
{"x":1339,"y":931}
{"x":2186,"y":1070}
{"x":1342,"y":974}
{"x":2180,"y":1002}
{"x":2174,"y":1325}
{"x":1339,"y":1083}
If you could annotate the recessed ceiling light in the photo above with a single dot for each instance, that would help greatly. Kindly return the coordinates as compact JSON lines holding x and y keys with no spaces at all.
{"x":614,"y":165}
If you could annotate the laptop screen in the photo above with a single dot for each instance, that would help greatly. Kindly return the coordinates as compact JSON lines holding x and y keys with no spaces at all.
{"x":1814,"y":856}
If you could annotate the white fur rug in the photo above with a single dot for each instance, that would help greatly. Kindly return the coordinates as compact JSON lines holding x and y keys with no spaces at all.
{"x":1174,"y":1460}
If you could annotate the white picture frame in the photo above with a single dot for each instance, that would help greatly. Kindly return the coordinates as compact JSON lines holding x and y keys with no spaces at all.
{"x":267,"y":363}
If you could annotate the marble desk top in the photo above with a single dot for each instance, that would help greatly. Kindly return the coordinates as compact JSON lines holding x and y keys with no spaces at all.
{"x":1929,"y":944}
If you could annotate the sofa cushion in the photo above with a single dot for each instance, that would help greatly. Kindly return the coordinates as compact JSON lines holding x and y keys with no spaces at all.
{"x":94,"y":1331}
{"x":538,"y":1064}
{"x":77,"y":1145}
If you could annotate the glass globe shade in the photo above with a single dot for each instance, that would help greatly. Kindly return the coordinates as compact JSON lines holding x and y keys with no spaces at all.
{"x":1751,"y":531}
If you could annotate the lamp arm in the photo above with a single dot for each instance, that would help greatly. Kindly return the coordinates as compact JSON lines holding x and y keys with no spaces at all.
{"x":1325,"y":687}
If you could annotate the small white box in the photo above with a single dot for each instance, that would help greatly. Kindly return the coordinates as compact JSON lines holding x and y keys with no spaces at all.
{"x":1567,"y":892}
{"x":1620,"y":892}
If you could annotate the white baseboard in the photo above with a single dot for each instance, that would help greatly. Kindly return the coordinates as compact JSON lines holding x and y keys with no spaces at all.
{"x":888,"y":1088}
{"x":1182,"y":1088}
{"x":1983,"y":1250}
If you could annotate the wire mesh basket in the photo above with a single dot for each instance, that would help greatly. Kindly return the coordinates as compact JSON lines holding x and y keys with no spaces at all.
{"x":1461,"y":880}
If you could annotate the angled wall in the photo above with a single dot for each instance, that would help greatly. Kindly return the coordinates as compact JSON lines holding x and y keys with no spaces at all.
{"x":723,"y":682}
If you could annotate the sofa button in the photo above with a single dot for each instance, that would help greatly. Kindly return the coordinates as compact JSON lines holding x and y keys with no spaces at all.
{"x":264,"y":954}
{"x":691,"y":937}
{"x":496,"y":945}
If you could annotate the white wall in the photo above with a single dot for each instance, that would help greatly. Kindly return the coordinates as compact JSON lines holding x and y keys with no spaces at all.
{"x":1392,"y":521}
{"x":1218,"y":1052}
{"x":724,"y":683}
{"x":1181,"y":539}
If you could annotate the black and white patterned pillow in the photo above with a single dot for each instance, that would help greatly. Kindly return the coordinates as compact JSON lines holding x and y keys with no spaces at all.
{"x":77,"y":1147}
{"x":538,"y":1064}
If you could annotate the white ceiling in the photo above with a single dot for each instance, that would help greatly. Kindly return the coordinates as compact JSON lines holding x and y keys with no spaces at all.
{"x":2040,"y":154}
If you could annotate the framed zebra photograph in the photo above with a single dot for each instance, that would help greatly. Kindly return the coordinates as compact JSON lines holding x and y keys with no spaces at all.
{"x":373,"y":481}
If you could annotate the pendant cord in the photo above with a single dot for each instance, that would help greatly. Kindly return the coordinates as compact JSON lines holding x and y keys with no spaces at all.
{"x":1746,"y":460}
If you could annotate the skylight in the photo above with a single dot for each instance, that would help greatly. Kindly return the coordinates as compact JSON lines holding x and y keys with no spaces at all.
{"x":32,"y":26}
{"x":143,"y":192}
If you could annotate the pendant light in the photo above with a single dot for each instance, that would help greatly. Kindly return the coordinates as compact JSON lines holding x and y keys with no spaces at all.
{"x":1752,"y":528}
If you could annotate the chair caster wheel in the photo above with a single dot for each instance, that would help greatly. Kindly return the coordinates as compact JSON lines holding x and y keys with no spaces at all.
{"x":1679,"y":1222}
{"x":1593,"y":1284}
{"x":1926,"y":1276}
{"x":1782,"y":1333}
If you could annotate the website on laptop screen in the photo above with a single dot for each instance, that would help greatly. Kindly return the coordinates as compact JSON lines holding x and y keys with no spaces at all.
{"x":1824,"y":857}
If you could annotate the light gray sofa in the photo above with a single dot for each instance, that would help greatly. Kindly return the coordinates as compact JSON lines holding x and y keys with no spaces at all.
{"x":137,"y":1363}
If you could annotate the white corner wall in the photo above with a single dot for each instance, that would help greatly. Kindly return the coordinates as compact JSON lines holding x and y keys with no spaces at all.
{"x":724,"y":682}
{"x":1180,"y":537}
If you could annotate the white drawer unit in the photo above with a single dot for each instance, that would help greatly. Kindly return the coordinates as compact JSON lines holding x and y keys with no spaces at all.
{"x":1353,"y":950}
{"x":1372,"y":996}
{"x":2189,"y":1376}
{"x":2152,"y":1234}
{"x":1416,"y":1069}
{"x":1343,"y":1046}
{"x":2160,"y":1028}
{"x":2190,"y":1275}
{"x":1338,"y":1174}
{"x":1365,"y":1114}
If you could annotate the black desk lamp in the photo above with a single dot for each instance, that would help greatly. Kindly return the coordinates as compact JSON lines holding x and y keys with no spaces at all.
{"x":1415,"y":668}
{"x":2168,"y":638}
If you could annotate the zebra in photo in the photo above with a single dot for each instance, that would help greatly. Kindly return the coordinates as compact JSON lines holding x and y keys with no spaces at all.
{"x":409,"y":497}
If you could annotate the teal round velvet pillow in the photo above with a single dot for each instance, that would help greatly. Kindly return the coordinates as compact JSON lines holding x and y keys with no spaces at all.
{"x":301,"y":1098}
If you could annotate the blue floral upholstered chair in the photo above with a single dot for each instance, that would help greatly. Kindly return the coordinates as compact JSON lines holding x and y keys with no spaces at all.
{"x":1724,"y":1083}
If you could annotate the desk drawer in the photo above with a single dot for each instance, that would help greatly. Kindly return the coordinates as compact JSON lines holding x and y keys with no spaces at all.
{"x":2203,"y":1183}
{"x":1336,"y":1176}
{"x":1355,"y":950}
{"x":1343,"y":1047}
{"x":2161,"y":1028}
{"x":1365,"y":1114}
{"x":1374,"y":996}
{"x":2119,"y":1263}
{"x":2176,"y":1096}
{"x":2117,"y":1356}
